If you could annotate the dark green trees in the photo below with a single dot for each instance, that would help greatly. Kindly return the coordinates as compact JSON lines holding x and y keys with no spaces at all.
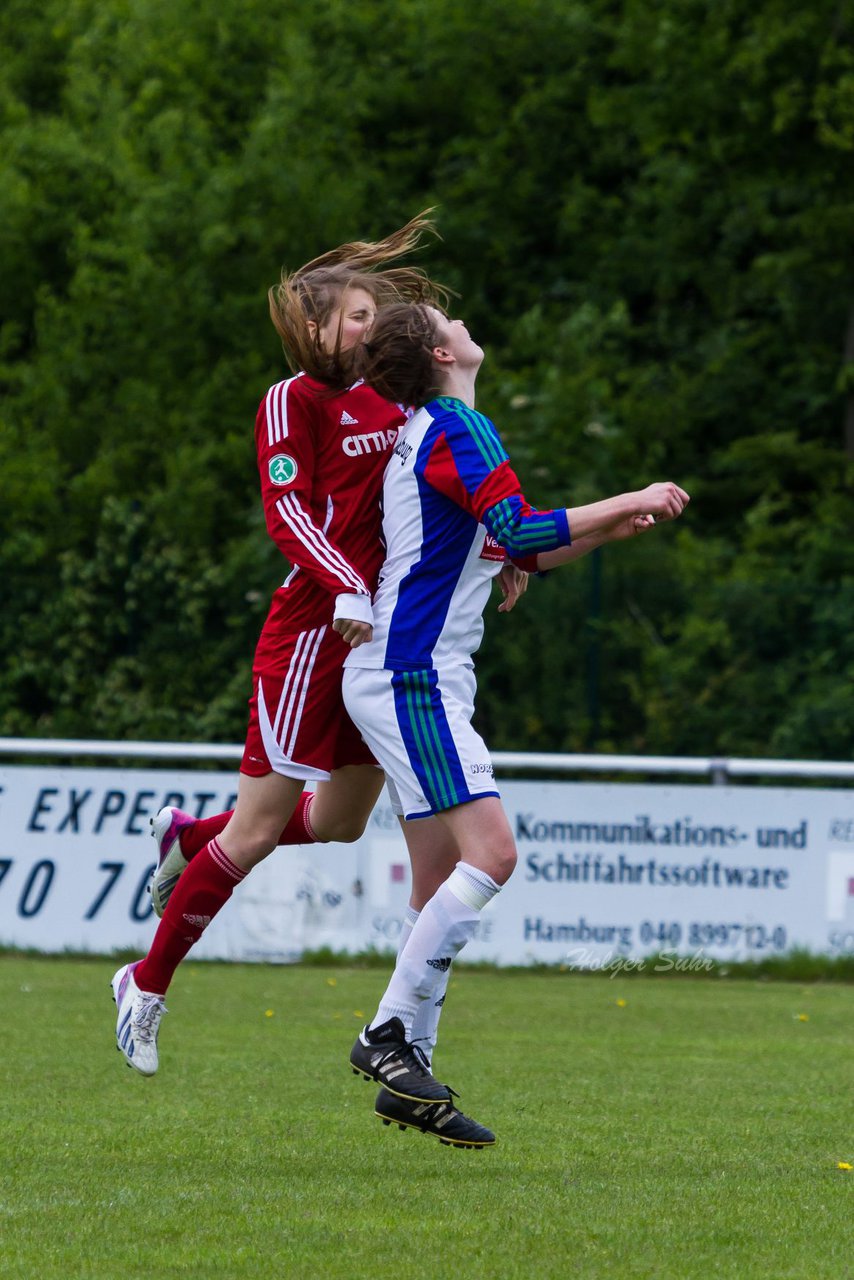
{"x":647,"y":212}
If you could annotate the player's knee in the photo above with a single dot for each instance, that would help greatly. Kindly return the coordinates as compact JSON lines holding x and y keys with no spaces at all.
{"x":254,"y":848}
{"x":343,"y":830}
{"x":497,"y":861}
{"x":504,"y":863}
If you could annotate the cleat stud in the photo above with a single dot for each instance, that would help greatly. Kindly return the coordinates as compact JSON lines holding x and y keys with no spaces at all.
{"x":364,"y":1077}
{"x":355,"y":1072}
{"x":385,"y":1122}
{"x":401,"y":1127}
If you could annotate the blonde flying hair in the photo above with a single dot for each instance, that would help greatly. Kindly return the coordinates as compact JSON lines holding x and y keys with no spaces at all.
{"x":312,"y":292}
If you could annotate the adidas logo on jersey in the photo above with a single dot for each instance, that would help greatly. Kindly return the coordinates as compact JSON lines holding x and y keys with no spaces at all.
{"x":347,"y":421}
{"x":442,"y":965}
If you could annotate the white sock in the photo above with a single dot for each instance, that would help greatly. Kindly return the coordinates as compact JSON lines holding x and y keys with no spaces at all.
{"x":425,"y":1028}
{"x":441,"y":931}
{"x":406,"y":927}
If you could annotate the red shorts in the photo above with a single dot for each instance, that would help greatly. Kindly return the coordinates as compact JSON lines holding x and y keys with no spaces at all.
{"x":297,"y":722}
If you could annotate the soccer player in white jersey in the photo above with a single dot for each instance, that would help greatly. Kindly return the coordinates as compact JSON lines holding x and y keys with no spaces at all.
{"x":452,"y":508}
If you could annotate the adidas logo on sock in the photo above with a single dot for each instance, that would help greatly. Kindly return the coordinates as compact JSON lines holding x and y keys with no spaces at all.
{"x":442,"y":965}
{"x":201,"y":922}
{"x":347,"y":421}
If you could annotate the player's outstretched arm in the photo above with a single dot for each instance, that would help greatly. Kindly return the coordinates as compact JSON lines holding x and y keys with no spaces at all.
{"x":665,"y":502}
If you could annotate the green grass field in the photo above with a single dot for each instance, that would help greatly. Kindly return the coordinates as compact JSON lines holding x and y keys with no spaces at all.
{"x":652,"y":1128}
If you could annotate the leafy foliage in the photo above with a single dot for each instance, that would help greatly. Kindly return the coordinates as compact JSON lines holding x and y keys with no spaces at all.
{"x":646,"y":210}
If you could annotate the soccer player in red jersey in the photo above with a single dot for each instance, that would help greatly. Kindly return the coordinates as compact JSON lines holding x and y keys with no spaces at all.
{"x":322,"y":446}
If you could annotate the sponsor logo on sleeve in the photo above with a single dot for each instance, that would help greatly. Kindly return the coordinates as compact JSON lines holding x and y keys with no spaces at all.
{"x":492,"y":550}
{"x":283,"y":469}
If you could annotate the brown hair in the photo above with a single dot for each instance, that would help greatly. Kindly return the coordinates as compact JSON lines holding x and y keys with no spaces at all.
{"x":313,"y":291}
{"x":397,"y":358}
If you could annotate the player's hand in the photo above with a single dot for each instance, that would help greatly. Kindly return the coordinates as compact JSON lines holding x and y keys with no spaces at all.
{"x":513,"y":583}
{"x":631,"y":527}
{"x":664,"y":501}
{"x":352,"y":632}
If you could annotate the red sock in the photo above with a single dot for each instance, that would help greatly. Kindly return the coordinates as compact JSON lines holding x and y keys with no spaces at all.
{"x":202,"y":890}
{"x":193,"y":839}
{"x":297,"y":831}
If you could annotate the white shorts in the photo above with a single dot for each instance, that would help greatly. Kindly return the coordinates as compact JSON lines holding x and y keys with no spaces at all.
{"x":418,"y":725}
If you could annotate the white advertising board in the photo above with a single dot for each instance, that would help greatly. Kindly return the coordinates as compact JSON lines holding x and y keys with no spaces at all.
{"x":606,"y":872}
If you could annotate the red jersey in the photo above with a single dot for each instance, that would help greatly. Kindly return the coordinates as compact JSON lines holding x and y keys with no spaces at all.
{"x":321,"y":460}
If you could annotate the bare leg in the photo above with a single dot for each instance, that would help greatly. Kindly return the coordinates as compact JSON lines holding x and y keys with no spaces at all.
{"x":339,"y":810}
{"x":263,"y":807}
{"x":483,"y":835}
{"x":433,"y":853}
{"x":342,"y":806}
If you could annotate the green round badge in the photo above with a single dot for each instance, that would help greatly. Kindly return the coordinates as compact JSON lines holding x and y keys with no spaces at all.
{"x":283,"y":469}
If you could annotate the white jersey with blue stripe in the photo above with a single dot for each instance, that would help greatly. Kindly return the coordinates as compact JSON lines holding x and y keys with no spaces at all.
{"x":453,"y":511}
